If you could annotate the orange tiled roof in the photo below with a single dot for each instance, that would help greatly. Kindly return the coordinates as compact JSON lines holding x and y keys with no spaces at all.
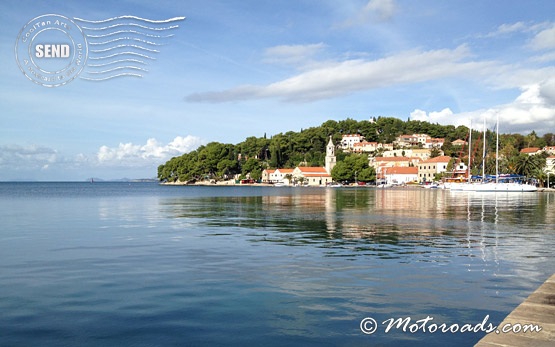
{"x":308,"y":169}
{"x":401,"y":170}
{"x":530,"y":150}
{"x":286,"y":171}
{"x":440,"y":159}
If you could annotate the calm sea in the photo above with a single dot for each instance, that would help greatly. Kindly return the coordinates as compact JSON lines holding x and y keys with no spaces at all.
{"x":138,"y":264}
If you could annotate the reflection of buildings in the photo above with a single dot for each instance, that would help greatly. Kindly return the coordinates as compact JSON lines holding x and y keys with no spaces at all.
{"x":330,"y":210}
{"x":364,"y":212}
{"x":411,"y":202}
{"x":502,"y":234}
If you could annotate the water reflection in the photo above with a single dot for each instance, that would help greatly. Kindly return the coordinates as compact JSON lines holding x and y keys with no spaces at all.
{"x":389,"y":251}
{"x":289,"y":266}
{"x":386,"y":223}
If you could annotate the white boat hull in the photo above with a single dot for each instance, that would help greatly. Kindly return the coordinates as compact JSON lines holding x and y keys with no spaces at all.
{"x":498,"y":187}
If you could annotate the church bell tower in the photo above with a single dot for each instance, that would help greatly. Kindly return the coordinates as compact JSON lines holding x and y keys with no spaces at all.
{"x":330,"y":156}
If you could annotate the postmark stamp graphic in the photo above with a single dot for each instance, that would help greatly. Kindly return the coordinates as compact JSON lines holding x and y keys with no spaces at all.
{"x":51,"y":50}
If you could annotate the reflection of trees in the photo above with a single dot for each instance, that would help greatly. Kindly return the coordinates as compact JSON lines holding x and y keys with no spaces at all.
{"x":358,"y":221}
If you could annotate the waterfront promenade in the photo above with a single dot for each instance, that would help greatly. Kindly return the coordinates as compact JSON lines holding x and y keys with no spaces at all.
{"x":539,"y":309}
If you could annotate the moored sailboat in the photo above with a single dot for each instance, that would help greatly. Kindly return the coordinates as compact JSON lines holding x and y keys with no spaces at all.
{"x":499,"y":183}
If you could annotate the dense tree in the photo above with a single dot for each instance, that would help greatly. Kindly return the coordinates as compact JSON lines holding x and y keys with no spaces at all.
{"x":308,"y":146}
{"x":549,"y":139}
{"x":251,"y":165}
{"x":529,"y":165}
{"x":353,"y":167}
{"x":342,"y":172}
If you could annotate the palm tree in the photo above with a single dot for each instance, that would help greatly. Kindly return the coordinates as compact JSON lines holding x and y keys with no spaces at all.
{"x":529,"y":165}
{"x":288,"y":177}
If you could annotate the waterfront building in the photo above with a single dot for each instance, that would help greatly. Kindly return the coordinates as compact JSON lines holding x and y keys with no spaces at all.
{"x":400,"y":175}
{"x":381,"y":163}
{"x":277,"y":175}
{"x":312,"y":176}
{"x":267,"y":175}
{"x":429,"y":168}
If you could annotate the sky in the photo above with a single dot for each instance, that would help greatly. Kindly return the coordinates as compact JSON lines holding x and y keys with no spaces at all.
{"x":233,"y":69}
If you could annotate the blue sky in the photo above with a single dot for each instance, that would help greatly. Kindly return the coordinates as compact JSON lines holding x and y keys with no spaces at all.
{"x":234,"y":69}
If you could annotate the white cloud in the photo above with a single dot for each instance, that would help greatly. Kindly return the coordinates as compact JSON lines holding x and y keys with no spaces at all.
{"x":345,"y":77}
{"x":517,"y":28}
{"x":374,"y":12}
{"x":531,"y":110}
{"x":432,"y":117}
{"x":544,"y":58}
{"x":545,"y":39}
{"x":40,"y":162}
{"x":292,"y":54}
{"x":547,"y":91}
{"x":542,"y":34}
{"x":381,"y":10}
{"x":505,"y":29}
{"x":16,"y":157}
{"x":151,"y":153}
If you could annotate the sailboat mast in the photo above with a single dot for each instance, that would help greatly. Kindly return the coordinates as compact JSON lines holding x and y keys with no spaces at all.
{"x":497,"y":150}
{"x":469,"y":149}
{"x":484,"y":152}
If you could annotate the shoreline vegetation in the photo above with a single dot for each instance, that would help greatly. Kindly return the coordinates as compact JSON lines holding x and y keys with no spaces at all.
{"x":223,"y":163}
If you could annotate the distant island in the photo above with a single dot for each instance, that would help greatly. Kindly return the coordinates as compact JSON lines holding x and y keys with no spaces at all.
{"x":362,"y":152}
{"x":95,"y":179}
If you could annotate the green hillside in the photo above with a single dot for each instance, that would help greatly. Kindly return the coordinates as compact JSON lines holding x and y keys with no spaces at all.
{"x":307,"y":147}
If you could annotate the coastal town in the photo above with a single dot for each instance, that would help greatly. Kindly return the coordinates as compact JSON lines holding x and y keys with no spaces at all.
{"x":409,"y":160}
{"x":350,"y":158}
{"x":380,"y":152}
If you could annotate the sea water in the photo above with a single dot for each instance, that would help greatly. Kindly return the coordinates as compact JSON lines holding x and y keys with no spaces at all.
{"x":139,"y":264}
